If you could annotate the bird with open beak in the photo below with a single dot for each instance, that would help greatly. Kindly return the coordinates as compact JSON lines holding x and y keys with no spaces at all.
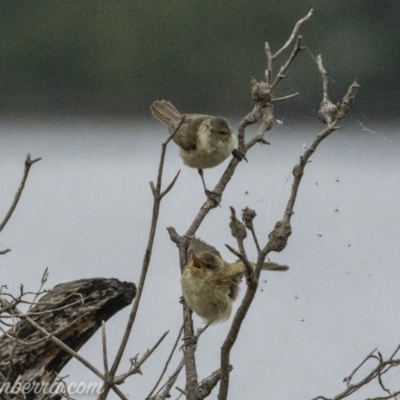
{"x":210,"y":285}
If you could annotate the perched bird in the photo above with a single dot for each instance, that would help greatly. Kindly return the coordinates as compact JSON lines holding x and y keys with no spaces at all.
{"x":210,"y":285}
{"x":204,"y":141}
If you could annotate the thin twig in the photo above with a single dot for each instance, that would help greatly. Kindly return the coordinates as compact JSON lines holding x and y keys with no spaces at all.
{"x":136,"y":369}
{"x":289,"y":96}
{"x":104,"y":346}
{"x":208,"y":384}
{"x":39,"y":292}
{"x":238,"y":231}
{"x":281,"y":74}
{"x":167,"y":362}
{"x":293,"y":35}
{"x":146,"y":261}
{"x":63,"y":346}
{"x":28,"y":164}
{"x":164,"y":391}
{"x":58,"y":342}
{"x":382,"y":367}
{"x":268,"y":72}
{"x":348,"y":379}
{"x":277,"y":242}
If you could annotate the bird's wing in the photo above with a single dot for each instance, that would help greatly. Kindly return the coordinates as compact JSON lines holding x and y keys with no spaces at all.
{"x":198,"y":246}
{"x":186,"y":137}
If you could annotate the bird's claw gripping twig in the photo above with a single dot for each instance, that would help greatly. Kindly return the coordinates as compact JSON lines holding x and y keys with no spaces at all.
{"x":189,"y":340}
{"x":239,"y":154}
{"x":193,"y":339}
{"x":213,"y":196}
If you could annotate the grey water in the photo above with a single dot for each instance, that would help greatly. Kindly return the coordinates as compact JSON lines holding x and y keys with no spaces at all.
{"x":86,"y":209}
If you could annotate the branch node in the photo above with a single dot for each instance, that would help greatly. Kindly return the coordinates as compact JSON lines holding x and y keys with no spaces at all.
{"x":279,"y":236}
{"x":238,"y":230}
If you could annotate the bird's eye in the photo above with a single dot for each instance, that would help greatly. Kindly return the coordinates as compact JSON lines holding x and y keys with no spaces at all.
{"x":208,"y":265}
{"x":223,"y":133}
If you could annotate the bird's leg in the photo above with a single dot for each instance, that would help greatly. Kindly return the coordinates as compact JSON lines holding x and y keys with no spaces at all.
{"x":211,"y":195}
{"x":192,"y":339}
{"x":239,"y":154}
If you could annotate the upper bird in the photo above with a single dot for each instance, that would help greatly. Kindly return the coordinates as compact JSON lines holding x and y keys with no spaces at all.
{"x":204,"y":141}
{"x":210,"y":285}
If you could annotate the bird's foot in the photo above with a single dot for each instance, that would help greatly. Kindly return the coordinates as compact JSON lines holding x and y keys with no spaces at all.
{"x":263,"y":141}
{"x":192,"y":339}
{"x":239,"y":154}
{"x":213,"y":196}
{"x":188,"y":340}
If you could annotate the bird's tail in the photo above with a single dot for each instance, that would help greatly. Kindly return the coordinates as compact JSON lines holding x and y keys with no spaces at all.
{"x":271,"y":266}
{"x":267,"y":266}
{"x":165,"y":112}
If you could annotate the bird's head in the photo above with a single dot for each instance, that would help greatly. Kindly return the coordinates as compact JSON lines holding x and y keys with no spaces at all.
{"x":219,"y":126}
{"x":203,"y":263}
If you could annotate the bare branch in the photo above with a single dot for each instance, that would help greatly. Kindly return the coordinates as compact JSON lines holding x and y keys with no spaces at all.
{"x":268,"y":72}
{"x":376,"y":373}
{"x":238,"y":231}
{"x":171,"y":185}
{"x":248,"y":216}
{"x":167,"y":362}
{"x":208,"y":384}
{"x":58,"y":342}
{"x":28,"y":164}
{"x":39,"y":292}
{"x":277,"y":242}
{"x":136,"y":368}
{"x":348,"y":379}
{"x":5,"y":251}
{"x":162,"y":157}
{"x":173,"y":234}
{"x":281,"y":74}
{"x":289,"y":96}
{"x":282,"y":230}
{"x":234,"y":251}
{"x":104,"y":346}
{"x":293,"y":35}
{"x":347,"y":101}
{"x":164,"y":391}
{"x":327,"y":111}
{"x":158,"y":196}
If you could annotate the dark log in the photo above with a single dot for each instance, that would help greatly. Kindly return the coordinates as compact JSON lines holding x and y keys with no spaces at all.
{"x":71,"y":312}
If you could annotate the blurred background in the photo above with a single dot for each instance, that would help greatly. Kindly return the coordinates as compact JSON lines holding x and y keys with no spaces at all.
{"x":115,"y":58}
{"x":76,"y":82}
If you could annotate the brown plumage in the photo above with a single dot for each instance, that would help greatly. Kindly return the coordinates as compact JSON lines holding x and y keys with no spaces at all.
{"x":204,"y":141}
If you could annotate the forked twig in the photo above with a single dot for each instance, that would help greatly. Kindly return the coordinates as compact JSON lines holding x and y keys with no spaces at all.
{"x":293,"y":34}
{"x":28,"y":165}
{"x":376,"y":373}
{"x":136,"y":366}
{"x":279,"y":236}
{"x":164,"y":391}
{"x":157,"y":198}
{"x":262,"y":112}
{"x":166,"y":363}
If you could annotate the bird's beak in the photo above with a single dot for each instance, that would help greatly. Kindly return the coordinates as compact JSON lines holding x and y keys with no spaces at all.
{"x":196,"y":262}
